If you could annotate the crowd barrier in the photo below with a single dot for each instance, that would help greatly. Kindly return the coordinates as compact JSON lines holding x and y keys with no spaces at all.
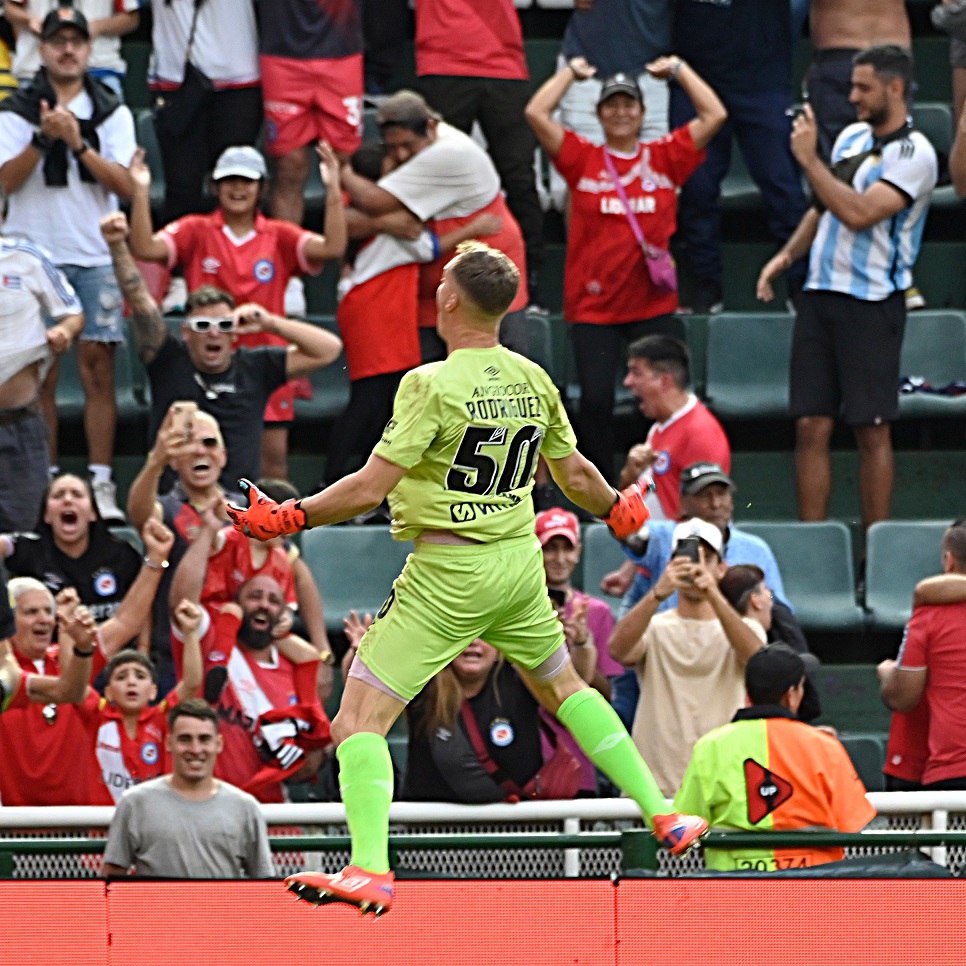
{"x":584,"y":838}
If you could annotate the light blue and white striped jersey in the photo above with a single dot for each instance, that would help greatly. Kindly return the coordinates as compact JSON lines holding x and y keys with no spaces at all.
{"x":874,"y":263}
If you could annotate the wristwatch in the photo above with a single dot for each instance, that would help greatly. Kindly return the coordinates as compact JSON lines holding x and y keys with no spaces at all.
{"x":148,"y":562}
{"x":82,"y":150}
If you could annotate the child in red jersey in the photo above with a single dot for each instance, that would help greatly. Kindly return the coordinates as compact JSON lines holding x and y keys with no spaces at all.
{"x":127,"y":730}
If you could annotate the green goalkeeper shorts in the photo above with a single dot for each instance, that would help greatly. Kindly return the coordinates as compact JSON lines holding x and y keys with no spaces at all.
{"x":448,"y":596}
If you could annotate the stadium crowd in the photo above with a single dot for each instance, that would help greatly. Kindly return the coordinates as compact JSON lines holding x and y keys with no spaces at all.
{"x":102,"y":643}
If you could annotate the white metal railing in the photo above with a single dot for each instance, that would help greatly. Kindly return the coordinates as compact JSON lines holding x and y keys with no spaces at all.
{"x":417,"y":813}
{"x":930,"y":810}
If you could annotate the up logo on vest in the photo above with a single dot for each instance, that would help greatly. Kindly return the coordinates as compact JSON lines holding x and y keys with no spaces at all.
{"x":264,"y":270}
{"x":149,"y":753}
{"x":662,"y":464}
{"x":105,"y":583}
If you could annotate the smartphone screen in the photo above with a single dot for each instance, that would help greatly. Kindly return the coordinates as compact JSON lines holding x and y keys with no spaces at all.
{"x":557,"y":597}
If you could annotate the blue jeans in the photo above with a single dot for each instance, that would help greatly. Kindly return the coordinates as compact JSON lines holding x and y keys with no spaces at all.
{"x":99,"y":294}
{"x":762,"y":129}
{"x":24,"y":461}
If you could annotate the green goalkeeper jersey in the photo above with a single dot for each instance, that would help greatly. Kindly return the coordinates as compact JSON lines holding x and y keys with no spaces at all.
{"x":468,"y":431}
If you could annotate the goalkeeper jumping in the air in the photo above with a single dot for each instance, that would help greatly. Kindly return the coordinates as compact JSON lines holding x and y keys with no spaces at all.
{"x":457,"y":461}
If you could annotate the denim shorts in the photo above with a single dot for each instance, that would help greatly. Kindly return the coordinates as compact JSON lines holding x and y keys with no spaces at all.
{"x":99,"y":294}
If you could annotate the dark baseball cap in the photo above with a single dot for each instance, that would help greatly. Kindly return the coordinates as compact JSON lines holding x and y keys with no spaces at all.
{"x":620,"y":83}
{"x":773,"y":669}
{"x":64,"y":17}
{"x":697,"y":476}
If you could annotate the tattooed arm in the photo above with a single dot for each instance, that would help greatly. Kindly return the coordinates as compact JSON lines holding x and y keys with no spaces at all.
{"x":149,"y":328}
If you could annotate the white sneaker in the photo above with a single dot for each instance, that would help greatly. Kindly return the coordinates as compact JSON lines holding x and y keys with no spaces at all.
{"x":295,"y":306}
{"x":105,"y":496}
{"x":914,"y":299}
{"x":176,"y":297}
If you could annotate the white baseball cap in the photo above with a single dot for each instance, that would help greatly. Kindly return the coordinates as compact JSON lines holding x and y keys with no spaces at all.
{"x":696,"y":527}
{"x":241,"y":162}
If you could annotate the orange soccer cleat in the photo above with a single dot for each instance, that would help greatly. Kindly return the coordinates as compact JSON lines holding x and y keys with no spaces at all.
{"x":368,"y":891}
{"x":679,"y":833}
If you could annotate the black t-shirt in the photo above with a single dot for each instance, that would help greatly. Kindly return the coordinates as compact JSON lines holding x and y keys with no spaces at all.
{"x":743,"y":46}
{"x":444,"y":767}
{"x":101,"y":576}
{"x":310,"y":29}
{"x":236,"y":398}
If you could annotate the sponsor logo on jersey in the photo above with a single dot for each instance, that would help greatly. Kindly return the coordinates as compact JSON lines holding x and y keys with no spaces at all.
{"x":264,"y":270}
{"x":210,"y":265}
{"x":105,"y":583}
{"x":462,"y":512}
{"x":216,"y":657}
{"x":501,"y":732}
{"x":149,"y":753}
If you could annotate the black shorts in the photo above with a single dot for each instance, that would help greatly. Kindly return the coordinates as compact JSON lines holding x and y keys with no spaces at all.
{"x":845,"y":357}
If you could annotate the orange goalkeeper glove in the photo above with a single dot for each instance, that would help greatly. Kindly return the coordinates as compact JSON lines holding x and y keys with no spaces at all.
{"x":629,"y":512}
{"x":264,"y":518}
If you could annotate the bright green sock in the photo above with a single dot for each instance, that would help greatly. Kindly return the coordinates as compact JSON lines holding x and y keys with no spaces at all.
{"x":365,"y":779}
{"x":605,"y":741}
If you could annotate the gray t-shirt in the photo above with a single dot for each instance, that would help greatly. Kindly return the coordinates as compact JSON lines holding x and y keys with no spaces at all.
{"x":161,"y":833}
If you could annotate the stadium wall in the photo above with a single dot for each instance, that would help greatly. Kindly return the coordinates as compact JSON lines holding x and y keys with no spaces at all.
{"x":469,"y":923}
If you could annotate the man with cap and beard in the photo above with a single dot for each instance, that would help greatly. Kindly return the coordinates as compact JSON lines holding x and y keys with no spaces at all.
{"x":768,"y":770}
{"x":262,"y":683}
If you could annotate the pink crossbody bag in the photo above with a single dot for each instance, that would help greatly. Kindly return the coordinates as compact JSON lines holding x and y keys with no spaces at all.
{"x":660,"y":264}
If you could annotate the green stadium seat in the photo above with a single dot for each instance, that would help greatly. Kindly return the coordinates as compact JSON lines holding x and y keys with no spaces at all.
{"x":738,"y":191}
{"x":147,"y":139}
{"x":136,"y":55}
{"x":330,"y":385}
{"x":131,"y":535}
{"x":815,"y":560}
{"x":747,"y":364}
{"x":353,"y":567}
{"x":541,"y":54}
{"x":933,"y":75}
{"x":935,"y":120}
{"x":850,"y":698}
{"x":934,"y":348}
{"x":602,"y":554}
{"x":70,"y":392}
{"x":899,"y":554}
{"x":868,"y":757}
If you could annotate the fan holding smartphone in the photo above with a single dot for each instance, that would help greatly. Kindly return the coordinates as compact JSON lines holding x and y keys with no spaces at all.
{"x":689,"y":659}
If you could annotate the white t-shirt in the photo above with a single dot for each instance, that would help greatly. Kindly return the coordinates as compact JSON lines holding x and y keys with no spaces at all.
{"x":105,"y":50}
{"x":452,"y":178}
{"x":65,"y":221}
{"x":385,"y":252}
{"x":224,"y":48}
{"x":29,"y":286}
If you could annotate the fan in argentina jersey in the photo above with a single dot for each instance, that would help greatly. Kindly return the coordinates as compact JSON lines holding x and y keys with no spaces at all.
{"x":862,"y":235}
